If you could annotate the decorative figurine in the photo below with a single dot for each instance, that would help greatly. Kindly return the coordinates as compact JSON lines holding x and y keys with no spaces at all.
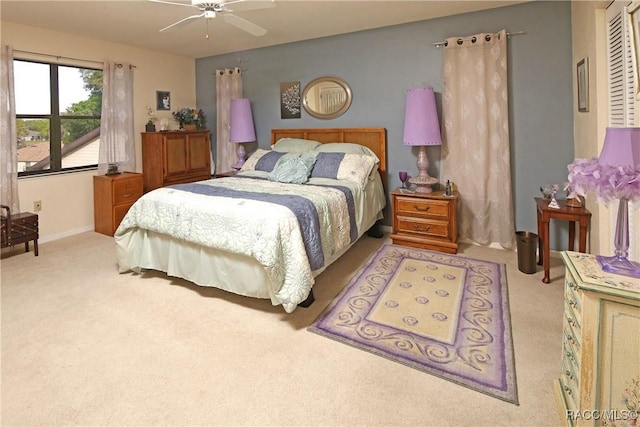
{"x":553,"y":204}
{"x":113,"y":169}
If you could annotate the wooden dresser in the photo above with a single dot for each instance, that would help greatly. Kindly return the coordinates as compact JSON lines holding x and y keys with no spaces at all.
{"x":600,"y":362}
{"x":426,"y":221}
{"x":113,"y":195}
{"x":175,"y":157}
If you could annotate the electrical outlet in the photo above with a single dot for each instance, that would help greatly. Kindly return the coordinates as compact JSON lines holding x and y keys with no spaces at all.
{"x":37,"y":205}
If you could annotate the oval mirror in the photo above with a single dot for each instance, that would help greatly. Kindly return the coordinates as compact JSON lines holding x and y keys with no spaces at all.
{"x":326,"y":97}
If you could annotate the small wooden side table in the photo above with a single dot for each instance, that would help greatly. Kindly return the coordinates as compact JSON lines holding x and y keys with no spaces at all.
{"x":567,"y":213}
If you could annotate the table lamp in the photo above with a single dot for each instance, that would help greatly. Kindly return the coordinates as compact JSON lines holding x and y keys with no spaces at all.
{"x":421,"y":128}
{"x":621,"y":151}
{"x":242,"y":130}
{"x":613,"y":175}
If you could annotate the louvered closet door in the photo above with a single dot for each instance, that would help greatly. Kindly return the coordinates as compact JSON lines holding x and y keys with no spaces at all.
{"x":622,"y":103}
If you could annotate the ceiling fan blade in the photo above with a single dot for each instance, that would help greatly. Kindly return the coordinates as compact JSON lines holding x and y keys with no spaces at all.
{"x":183,"y":21}
{"x":245,"y":25}
{"x":242,"y":5}
{"x":172,"y":2}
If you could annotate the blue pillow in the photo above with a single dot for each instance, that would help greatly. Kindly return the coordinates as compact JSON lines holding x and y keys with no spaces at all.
{"x":268,"y":161}
{"x":293,"y":168}
{"x":327,"y":165}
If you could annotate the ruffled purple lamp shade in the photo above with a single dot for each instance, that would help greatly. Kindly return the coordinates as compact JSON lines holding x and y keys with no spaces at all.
{"x":421,"y":128}
{"x":241,"y":128}
{"x":614,"y":175}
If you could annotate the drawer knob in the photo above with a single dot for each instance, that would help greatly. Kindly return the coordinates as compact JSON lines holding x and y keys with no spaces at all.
{"x":417,"y":227}
{"x":128,"y":195}
{"x":421,"y":208}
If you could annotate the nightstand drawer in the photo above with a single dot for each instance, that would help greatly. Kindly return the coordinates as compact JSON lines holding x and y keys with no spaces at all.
{"x":119,"y":212}
{"x":436,"y":209}
{"x":127,"y":190}
{"x":423,"y":227}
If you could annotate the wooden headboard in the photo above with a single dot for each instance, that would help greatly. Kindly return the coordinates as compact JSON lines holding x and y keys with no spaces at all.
{"x":373,"y":138}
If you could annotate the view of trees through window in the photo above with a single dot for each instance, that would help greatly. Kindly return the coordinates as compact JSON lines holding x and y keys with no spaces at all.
{"x":57,"y":116}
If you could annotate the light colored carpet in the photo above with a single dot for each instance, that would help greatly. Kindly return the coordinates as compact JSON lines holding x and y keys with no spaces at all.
{"x":84,"y":345}
{"x":443,"y":314}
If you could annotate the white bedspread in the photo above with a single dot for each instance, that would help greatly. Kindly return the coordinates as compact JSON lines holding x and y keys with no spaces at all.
{"x":267,"y":232}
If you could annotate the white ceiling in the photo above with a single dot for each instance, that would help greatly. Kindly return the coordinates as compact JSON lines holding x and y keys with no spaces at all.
{"x":137,"y":22}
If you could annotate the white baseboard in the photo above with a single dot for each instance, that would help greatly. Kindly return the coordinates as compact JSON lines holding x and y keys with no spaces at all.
{"x":52,"y":237}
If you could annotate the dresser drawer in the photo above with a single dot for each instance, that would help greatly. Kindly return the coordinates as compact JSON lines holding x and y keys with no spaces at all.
{"x":426,"y":208}
{"x":571,"y":349}
{"x":127,"y":190}
{"x":422,"y":227}
{"x":570,"y":385}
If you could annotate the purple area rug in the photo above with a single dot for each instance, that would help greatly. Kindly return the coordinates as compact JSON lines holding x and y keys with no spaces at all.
{"x":442,"y":314}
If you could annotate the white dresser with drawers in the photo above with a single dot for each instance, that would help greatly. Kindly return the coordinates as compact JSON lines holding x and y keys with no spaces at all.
{"x":599,"y":378}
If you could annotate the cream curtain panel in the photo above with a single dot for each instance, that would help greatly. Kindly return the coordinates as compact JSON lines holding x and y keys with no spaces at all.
{"x":117,"y":140}
{"x":475,"y":151}
{"x":8,"y":133}
{"x":228,"y":87}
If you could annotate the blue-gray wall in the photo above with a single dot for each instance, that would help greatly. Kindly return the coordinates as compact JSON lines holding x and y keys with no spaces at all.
{"x":381,"y":64}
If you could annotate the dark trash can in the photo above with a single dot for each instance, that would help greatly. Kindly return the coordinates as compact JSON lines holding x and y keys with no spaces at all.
{"x":527,"y":245}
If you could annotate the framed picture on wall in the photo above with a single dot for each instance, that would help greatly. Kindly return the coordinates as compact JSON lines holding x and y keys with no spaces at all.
{"x":163,"y":100}
{"x":583,"y":85}
{"x":290,"y":100}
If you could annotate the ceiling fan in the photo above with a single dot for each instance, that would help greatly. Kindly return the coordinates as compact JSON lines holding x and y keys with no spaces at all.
{"x":210,"y":9}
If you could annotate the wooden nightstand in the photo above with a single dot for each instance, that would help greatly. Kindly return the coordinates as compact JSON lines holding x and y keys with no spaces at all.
{"x":113,"y":195}
{"x":426,"y":221}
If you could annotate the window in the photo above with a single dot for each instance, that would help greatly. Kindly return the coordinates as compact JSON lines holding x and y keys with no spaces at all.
{"x":57,"y":116}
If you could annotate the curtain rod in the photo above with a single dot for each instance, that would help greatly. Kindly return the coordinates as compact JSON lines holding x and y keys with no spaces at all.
{"x":517,"y":33}
{"x":58,"y":57}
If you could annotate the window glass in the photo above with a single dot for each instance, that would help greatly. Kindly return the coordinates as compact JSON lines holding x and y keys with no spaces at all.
{"x":64,"y":135}
{"x":33,"y":144}
{"x":32,"y":87}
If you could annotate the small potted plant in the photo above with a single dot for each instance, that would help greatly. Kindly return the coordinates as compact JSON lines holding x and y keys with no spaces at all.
{"x":150,"y":126}
{"x":190,"y":118}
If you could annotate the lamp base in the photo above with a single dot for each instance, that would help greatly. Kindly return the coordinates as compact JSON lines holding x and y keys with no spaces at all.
{"x":423,"y":183}
{"x":619,"y":265}
{"x":242,"y":155}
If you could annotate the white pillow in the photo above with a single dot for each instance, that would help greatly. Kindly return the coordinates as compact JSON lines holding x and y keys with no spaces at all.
{"x":294,"y":145}
{"x":347,"y":148}
{"x":261,"y":160}
{"x":352,"y":167}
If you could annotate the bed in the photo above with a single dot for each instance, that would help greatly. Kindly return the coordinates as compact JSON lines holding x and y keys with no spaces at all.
{"x":264,"y":233}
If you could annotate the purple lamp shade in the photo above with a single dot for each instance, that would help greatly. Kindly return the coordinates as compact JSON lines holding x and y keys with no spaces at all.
{"x":242,"y":129}
{"x":621,"y":147}
{"x":421,"y":125}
